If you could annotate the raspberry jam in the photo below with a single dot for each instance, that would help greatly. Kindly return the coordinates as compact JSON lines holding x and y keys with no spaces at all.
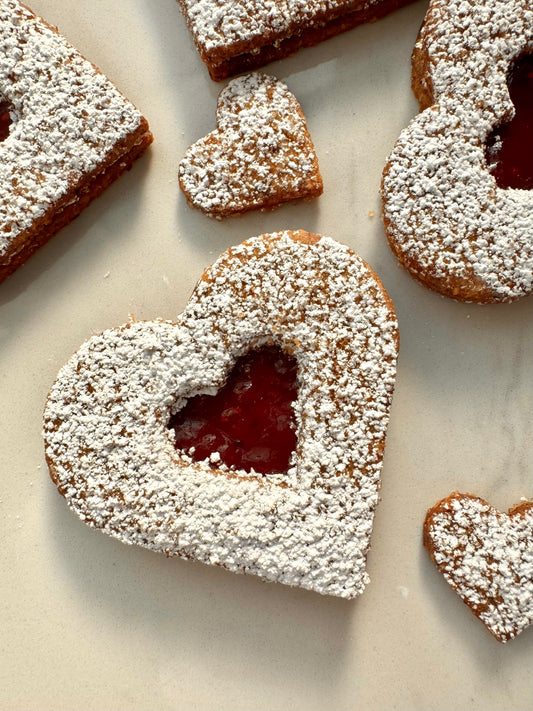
{"x":250,"y":421}
{"x":510,"y":147}
{"x":5,"y":119}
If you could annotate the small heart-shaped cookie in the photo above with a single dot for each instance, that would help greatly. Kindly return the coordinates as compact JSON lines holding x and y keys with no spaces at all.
{"x":112,"y":454}
{"x":259,"y":156}
{"x":487,"y":557}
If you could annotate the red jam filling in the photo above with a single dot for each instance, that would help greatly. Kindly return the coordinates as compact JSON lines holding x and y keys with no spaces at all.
{"x":5,"y":119}
{"x":510,"y":147}
{"x":250,"y":421}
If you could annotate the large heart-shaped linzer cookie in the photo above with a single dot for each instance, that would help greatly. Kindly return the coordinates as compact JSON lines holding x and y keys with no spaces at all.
{"x":259,"y":156}
{"x":112,"y":455}
{"x":487,"y":557}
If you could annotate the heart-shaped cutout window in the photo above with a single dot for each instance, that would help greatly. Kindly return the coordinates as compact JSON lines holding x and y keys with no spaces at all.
{"x":249,"y":424}
{"x":5,"y":118}
{"x":509,"y":148}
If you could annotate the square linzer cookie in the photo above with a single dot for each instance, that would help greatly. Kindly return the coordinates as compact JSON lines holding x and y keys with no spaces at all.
{"x":66,"y":133}
{"x":233,"y":36}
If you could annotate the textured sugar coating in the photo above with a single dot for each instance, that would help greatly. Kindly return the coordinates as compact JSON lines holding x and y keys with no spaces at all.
{"x":113,"y":458}
{"x":69,"y":126}
{"x":445,"y":217}
{"x":487,"y":557}
{"x":260,"y":155}
{"x":233,"y":36}
{"x":243,"y":22}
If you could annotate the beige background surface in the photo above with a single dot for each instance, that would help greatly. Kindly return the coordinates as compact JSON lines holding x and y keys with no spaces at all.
{"x":88,"y":623}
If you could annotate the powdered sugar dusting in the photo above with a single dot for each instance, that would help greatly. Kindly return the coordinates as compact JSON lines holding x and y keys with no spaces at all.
{"x":67,"y":118}
{"x":227,"y":27}
{"x":113,"y":457}
{"x":261,"y":153}
{"x":446,"y":218}
{"x":487,"y":557}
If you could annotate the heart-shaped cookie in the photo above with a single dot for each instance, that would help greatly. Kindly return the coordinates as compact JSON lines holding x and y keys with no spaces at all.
{"x":487,"y":557}
{"x":112,"y":454}
{"x":259,"y":156}
{"x":447,"y":218}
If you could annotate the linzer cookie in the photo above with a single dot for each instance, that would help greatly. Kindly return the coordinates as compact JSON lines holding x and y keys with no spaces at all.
{"x":457,"y":200}
{"x":233,"y":36}
{"x":259,"y":156}
{"x":487,"y":557}
{"x":66,"y":133}
{"x":137,"y":451}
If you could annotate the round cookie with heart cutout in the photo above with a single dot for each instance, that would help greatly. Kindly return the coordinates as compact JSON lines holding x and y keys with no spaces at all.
{"x":259,"y":156}
{"x":487,"y":557}
{"x":457,"y":199}
{"x":153,"y":431}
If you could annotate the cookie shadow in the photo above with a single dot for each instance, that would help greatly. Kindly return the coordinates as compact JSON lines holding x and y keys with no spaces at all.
{"x":204,"y":234}
{"x":288,"y":635}
{"x":107,"y":217}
